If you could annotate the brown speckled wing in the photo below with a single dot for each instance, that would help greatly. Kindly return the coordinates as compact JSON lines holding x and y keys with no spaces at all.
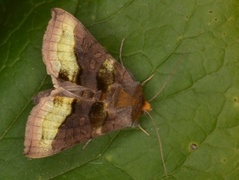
{"x":93,"y":93}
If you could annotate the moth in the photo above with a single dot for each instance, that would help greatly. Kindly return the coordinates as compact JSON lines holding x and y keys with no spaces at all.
{"x":93,"y":94}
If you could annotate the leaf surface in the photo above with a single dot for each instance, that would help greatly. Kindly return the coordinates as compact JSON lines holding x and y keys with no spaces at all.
{"x":192,"y":46}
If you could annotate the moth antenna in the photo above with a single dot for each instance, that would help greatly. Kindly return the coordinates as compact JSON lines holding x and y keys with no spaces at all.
{"x":120,"y":52}
{"x":148,"y":79}
{"x":166,"y":82}
{"x":143,"y":130}
{"x":160,"y":144}
{"x":160,"y":90}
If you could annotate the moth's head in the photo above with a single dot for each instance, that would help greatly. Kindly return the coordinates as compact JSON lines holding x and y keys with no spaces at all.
{"x":146,"y":106}
{"x":140,"y":105}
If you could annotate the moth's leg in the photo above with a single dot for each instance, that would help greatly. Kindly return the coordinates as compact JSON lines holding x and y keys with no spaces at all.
{"x":69,"y":86}
{"x":121,"y":62}
{"x":120,"y":51}
{"x":73,"y":90}
{"x":86,"y":144}
{"x":143,"y":130}
{"x":147,"y":80}
{"x":136,"y":124}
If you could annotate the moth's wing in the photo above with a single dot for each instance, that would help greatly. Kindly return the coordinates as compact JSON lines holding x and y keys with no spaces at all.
{"x":60,"y":121}
{"x":68,"y":49}
{"x":58,"y":47}
{"x":57,"y":122}
{"x":72,"y":54}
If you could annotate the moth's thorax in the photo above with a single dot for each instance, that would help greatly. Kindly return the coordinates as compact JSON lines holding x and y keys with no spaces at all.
{"x":129,"y":96}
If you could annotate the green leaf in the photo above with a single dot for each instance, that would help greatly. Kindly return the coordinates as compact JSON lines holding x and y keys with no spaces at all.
{"x":192,"y":46}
